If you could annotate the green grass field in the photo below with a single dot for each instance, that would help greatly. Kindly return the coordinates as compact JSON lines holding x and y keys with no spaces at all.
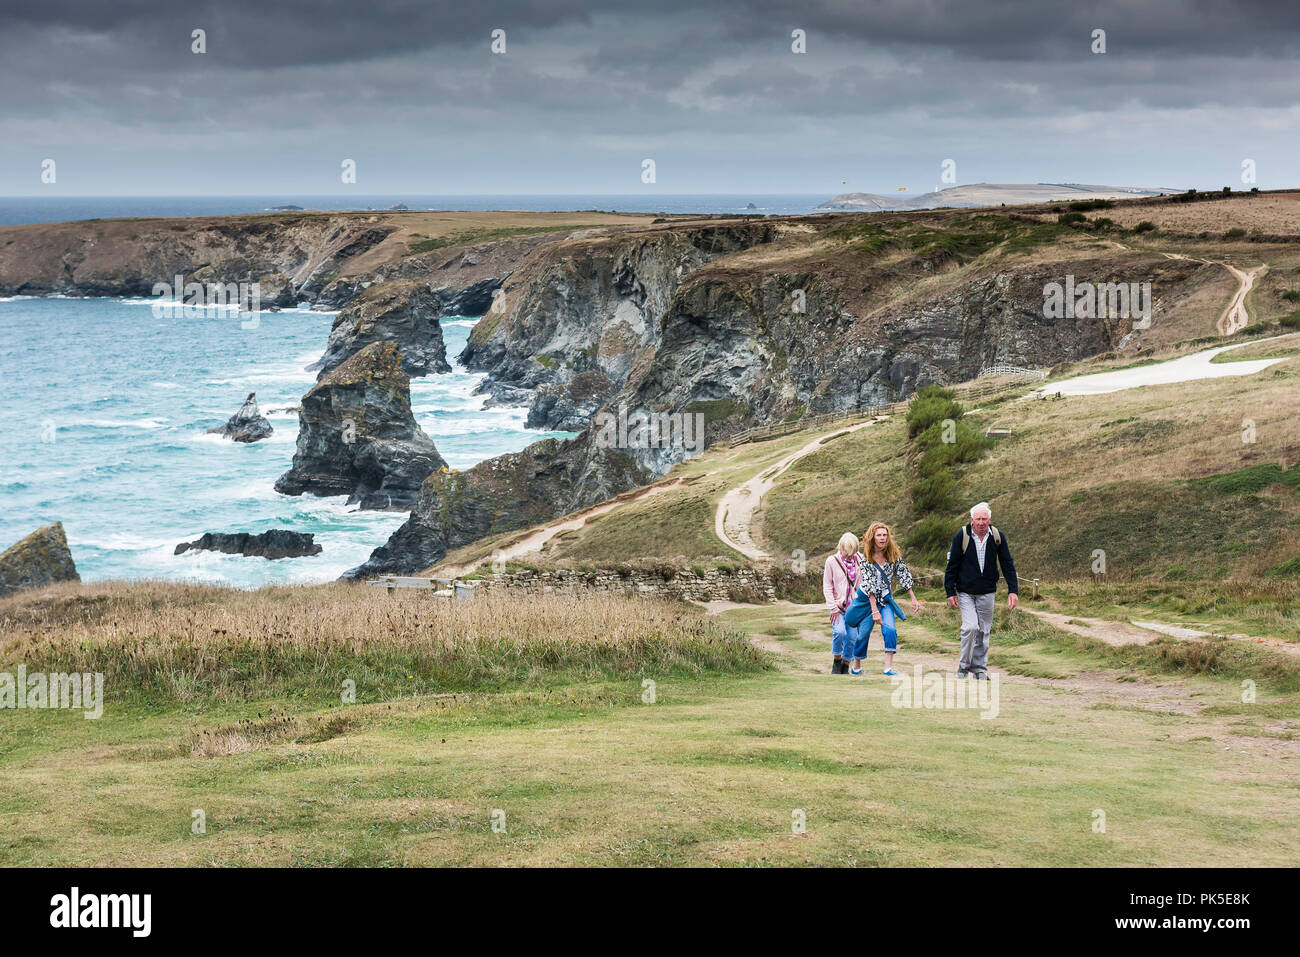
{"x":743,"y":741}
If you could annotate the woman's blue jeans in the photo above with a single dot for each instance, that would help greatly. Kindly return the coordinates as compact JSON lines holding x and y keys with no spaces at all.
{"x":859,"y":611}
{"x":844,"y":639}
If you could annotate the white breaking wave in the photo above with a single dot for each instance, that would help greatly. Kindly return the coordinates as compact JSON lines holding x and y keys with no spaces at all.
{"x":120,"y":423}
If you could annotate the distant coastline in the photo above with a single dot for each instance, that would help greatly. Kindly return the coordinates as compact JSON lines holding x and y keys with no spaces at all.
{"x":20,"y":210}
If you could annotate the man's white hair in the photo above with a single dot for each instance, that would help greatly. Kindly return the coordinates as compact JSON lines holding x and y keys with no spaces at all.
{"x":981,"y":507}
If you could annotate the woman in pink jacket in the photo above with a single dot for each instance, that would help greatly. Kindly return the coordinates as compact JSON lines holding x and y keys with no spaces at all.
{"x":840,"y":580}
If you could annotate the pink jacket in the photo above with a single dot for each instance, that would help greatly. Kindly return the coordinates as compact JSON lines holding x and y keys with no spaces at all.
{"x":835,"y":584}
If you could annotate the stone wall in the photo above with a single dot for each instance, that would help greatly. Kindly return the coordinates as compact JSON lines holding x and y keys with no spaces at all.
{"x":710,"y":584}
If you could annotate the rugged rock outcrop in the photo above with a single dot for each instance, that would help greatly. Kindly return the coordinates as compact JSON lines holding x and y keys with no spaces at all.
{"x":357,"y":436}
{"x":546,"y":480}
{"x":246,"y":425}
{"x":43,"y":557}
{"x":274,"y":543}
{"x":404,"y":312}
{"x":322,"y":258}
{"x":292,"y":256}
{"x":592,"y":304}
{"x":569,"y":406}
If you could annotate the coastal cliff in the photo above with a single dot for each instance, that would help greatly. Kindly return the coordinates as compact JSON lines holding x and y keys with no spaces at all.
{"x":740,"y":324}
{"x":732,"y":321}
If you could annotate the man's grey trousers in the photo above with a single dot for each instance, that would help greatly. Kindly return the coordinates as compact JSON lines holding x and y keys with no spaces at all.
{"x":976,"y":623}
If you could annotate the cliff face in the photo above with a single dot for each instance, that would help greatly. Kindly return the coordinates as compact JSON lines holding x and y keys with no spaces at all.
{"x":789,"y":320}
{"x":357,"y":436}
{"x":717,"y":327}
{"x":591,"y":305}
{"x":292,"y":257}
{"x":324,"y":259}
{"x":546,"y":480}
{"x":404,"y":312}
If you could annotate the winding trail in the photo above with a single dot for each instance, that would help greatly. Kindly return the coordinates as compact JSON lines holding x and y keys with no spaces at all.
{"x":733,"y":521}
{"x":1141,"y":632}
{"x":1235,"y":316}
{"x":1198,"y":365}
{"x":539,"y":535}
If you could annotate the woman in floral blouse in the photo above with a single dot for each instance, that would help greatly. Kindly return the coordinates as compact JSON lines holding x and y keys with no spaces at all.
{"x":884,"y":566}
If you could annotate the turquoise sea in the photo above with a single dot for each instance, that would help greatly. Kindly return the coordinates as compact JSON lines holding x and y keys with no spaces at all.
{"x":105,"y":409}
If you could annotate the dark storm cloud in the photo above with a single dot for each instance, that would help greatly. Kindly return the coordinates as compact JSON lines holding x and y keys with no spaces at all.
{"x":295,"y":32}
{"x":585,"y":83}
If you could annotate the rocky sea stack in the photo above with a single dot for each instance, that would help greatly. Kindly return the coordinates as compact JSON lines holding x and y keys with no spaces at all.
{"x":276,"y":543}
{"x":357,"y":436}
{"x":41,"y":558}
{"x":246,"y":425}
{"x":546,"y":480}
{"x":401,"y":311}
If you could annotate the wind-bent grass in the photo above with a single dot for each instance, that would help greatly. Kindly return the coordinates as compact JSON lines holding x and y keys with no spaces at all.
{"x":178,"y":643}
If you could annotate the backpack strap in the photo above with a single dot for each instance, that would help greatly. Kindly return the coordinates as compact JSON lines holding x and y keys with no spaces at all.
{"x":965,"y":537}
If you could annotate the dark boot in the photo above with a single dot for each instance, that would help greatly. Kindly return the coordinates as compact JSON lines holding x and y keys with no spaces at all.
{"x":837,"y":666}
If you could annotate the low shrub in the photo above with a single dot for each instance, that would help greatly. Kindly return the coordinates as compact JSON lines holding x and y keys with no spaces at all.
{"x":930,"y":405}
{"x":934,"y":492}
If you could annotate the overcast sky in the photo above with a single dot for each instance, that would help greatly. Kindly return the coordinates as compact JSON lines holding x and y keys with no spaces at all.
{"x":1011,"y":90}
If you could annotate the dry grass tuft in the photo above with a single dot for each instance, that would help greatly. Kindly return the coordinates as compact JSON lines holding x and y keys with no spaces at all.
{"x":184,"y":642}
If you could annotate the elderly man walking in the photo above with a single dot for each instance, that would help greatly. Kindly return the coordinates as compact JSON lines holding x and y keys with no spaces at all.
{"x":971,"y":580}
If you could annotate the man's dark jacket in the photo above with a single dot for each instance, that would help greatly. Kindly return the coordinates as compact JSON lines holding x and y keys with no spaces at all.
{"x":963,"y":573}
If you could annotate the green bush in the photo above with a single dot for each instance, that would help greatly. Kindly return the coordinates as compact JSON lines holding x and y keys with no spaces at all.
{"x":1288,"y":569}
{"x":1086,"y":204}
{"x":1146,"y":226}
{"x":930,"y":405}
{"x":1067,"y":219}
{"x":966,"y":446}
{"x":1250,"y":480}
{"x":1291,"y":320}
{"x":934,"y":493}
{"x":1235,"y":233}
{"x":1291,"y":295}
{"x":1103,"y":223}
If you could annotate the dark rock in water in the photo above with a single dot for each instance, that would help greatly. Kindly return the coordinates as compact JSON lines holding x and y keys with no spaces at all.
{"x":284,"y":209}
{"x":499,"y":394}
{"x":546,"y":480}
{"x":276,"y":543}
{"x":357,"y":436}
{"x":401,"y":311}
{"x":41,"y":558}
{"x":750,"y":206}
{"x":399,"y":207}
{"x":246,"y":425}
